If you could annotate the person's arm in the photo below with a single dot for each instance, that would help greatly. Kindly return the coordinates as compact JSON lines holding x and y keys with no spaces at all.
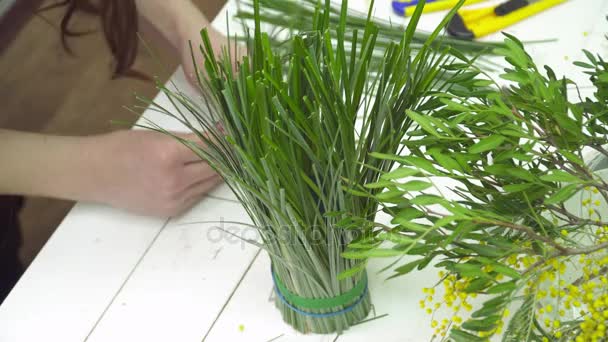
{"x":143,"y":172}
{"x":180,"y":21}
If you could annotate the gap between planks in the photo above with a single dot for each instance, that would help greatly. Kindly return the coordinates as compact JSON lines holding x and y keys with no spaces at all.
{"x":127,"y":279}
{"x":238,"y":284}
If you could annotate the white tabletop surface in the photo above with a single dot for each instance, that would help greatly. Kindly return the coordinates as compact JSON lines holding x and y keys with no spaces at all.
{"x":107,"y":275}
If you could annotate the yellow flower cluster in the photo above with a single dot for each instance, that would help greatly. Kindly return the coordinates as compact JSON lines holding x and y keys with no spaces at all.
{"x":601,"y":234}
{"x":590,"y":202}
{"x":454,"y":298}
{"x":591,"y":294}
{"x":560,"y":299}
{"x":555,"y":294}
{"x":585,"y":299}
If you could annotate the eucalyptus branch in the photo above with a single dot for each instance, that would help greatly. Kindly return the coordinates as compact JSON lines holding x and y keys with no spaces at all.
{"x":567,"y":252}
{"x":384,"y":227}
{"x":585,"y":250}
{"x":600,"y":149}
{"x":567,"y":169}
{"x":573,"y":219}
{"x":580,"y":280}
{"x":526,"y":230}
{"x":523,"y":119}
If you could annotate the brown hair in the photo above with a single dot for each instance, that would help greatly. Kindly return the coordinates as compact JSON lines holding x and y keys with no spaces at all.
{"x":119,"y":23}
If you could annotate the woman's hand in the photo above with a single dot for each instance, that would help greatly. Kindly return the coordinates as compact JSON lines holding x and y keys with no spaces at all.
{"x":141,"y":171}
{"x":151,"y":173}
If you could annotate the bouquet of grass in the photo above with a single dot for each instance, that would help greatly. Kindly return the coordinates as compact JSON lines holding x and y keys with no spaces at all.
{"x":291,"y":132}
{"x":521,"y":238}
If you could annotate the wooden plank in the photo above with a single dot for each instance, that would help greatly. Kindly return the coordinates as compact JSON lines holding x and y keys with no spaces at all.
{"x":251,"y":315}
{"x":181,"y":285}
{"x":76,"y":274}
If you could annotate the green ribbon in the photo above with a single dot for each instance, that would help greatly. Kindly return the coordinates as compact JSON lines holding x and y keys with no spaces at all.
{"x":322,"y":303}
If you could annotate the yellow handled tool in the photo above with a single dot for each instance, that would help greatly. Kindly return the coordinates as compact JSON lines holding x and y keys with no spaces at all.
{"x":477,"y":23}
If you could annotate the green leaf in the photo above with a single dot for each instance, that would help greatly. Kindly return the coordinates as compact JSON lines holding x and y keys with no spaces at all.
{"x":487,"y":324}
{"x":516,"y":51}
{"x":520,"y":327}
{"x":408,"y":214}
{"x":572,"y":157}
{"x":399,"y":173}
{"x":353,"y":271}
{"x":483,"y":83}
{"x":503,"y":287}
{"x":477,"y":285}
{"x":486,"y":310}
{"x":458,"y":107}
{"x":396,"y":238}
{"x":390,"y":195}
{"x":486,"y":144}
{"x":426,"y":199}
{"x":484,"y":250}
{"x":461,"y":336}
{"x":517,"y":187}
{"x":415,"y":185}
{"x":590,"y":56}
{"x":418,"y":162}
{"x":407,"y":268}
{"x":562,"y":194}
{"x":470,"y":270}
{"x":421,"y":163}
{"x":519,"y":77}
{"x":409,"y":225}
{"x":371,"y":253}
{"x":446,"y":220}
{"x":380,"y":185}
{"x":423,"y":122}
{"x":560,"y":176}
{"x":506,"y":270}
{"x":445,"y":161}
{"x":584,"y":65}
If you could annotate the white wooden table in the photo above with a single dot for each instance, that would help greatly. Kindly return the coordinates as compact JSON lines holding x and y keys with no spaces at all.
{"x":107,"y":275}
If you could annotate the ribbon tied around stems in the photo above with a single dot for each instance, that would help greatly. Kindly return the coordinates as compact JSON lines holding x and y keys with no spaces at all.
{"x":349,"y":300}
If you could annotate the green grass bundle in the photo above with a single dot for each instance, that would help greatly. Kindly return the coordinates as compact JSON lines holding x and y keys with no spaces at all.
{"x":284,"y":132}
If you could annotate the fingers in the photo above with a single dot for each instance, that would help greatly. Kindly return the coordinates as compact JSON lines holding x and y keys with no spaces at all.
{"x":201,"y":188}
{"x":188,"y":136}
{"x":183,"y":153}
{"x":196,"y":172}
{"x":192,"y":195}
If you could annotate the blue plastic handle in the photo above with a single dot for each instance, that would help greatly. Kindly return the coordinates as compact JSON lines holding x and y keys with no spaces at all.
{"x":399,"y":6}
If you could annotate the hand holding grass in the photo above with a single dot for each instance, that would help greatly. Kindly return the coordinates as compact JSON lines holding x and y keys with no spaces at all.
{"x":149,"y":173}
{"x":143,"y":172}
